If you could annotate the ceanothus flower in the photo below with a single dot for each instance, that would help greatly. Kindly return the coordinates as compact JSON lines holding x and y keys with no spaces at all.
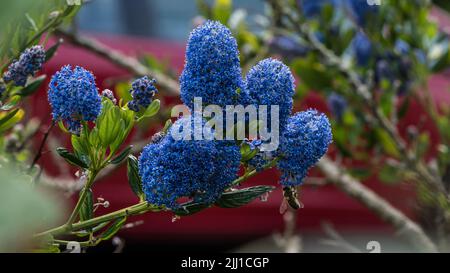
{"x":302,"y":144}
{"x":362,"y":47}
{"x":337,"y":104}
{"x":142,"y":91}
{"x":29,"y":62}
{"x":198,"y":169}
{"x":270,"y":82}
{"x":212,"y":70}
{"x":74,"y":97}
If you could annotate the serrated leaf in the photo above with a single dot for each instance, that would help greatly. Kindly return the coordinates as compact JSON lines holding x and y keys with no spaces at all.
{"x":71,"y":158}
{"x":133,"y":176}
{"x":113,"y":229}
{"x":238,"y":198}
{"x":118,"y":159}
{"x":190,"y":208}
{"x":32,"y":87}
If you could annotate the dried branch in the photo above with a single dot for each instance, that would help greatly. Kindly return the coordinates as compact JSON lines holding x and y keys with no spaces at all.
{"x":403,"y":225}
{"x":129,"y":63}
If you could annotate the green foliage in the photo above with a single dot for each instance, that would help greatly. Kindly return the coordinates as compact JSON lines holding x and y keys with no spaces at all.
{"x":24,"y":210}
{"x":241,"y":197}
{"x":133,"y":177}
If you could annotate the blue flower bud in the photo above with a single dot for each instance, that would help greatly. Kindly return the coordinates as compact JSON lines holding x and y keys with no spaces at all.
{"x":142,"y":91}
{"x":30,"y":61}
{"x":109,"y":95}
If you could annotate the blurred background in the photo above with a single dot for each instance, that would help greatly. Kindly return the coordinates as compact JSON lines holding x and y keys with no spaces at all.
{"x":155,"y":33}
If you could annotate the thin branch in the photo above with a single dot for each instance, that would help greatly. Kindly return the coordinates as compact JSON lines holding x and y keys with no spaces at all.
{"x":41,"y":146}
{"x":127,"y":62}
{"x":336,"y":239}
{"x":403,"y":225}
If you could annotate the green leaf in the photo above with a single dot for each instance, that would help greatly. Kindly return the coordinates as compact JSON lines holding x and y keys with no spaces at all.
{"x":78,"y":145}
{"x":87,"y":208}
{"x":10,"y":119}
{"x":190,"y":208}
{"x":221,"y":10}
{"x":62,"y":127}
{"x":52,"y":50}
{"x":11,"y":103}
{"x":133,"y":176}
{"x":151,"y":110}
{"x":83,"y":233}
{"x":389,"y":174}
{"x":118,"y":159}
{"x":32,"y":87}
{"x":313,"y":74}
{"x":387,"y":143}
{"x":167,"y":126}
{"x":238,"y":198}
{"x":403,"y":108}
{"x":113,"y":229}
{"x":246,"y":152}
{"x":71,"y":158}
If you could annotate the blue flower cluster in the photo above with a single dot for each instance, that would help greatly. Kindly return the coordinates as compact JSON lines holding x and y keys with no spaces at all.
{"x":337,"y":105}
{"x":201,"y":170}
{"x":212,"y":70}
{"x":270,"y":82}
{"x":142,"y":91}
{"x":29,"y":62}
{"x":198,"y":169}
{"x":74,"y":97}
{"x":302,"y":144}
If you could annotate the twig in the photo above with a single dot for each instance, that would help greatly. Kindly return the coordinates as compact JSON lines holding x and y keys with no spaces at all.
{"x":127,"y":62}
{"x":336,"y":239}
{"x":41,"y":147}
{"x":404,"y":226}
